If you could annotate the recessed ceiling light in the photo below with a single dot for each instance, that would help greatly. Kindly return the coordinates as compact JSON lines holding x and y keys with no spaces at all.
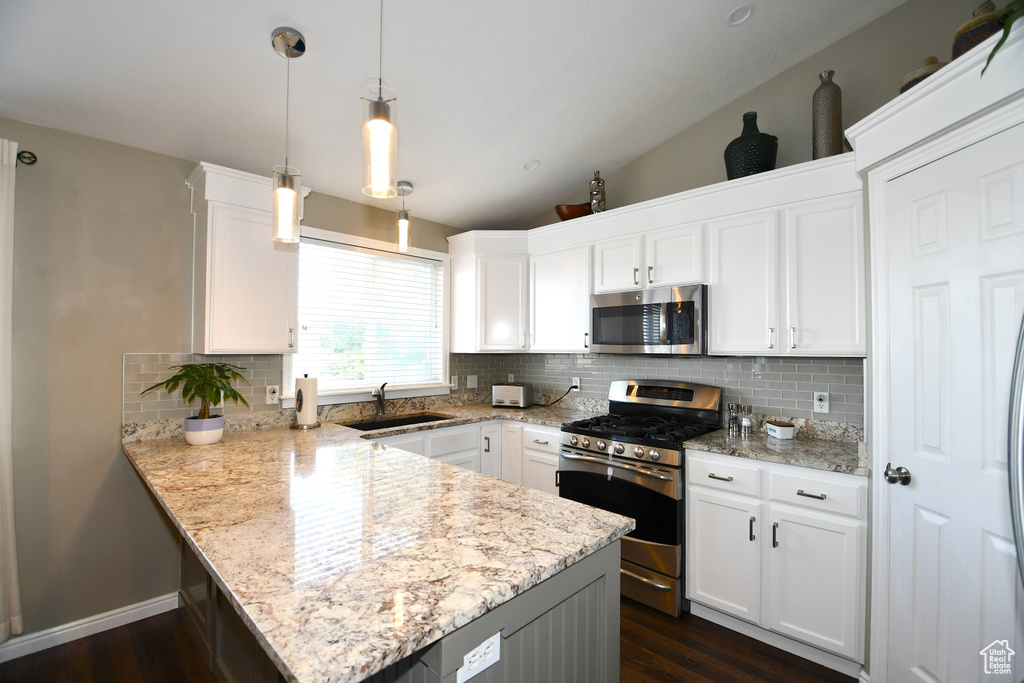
{"x":739,"y":15}
{"x":530,"y":165}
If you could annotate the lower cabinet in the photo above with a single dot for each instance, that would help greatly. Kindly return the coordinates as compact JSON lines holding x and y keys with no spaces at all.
{"x":540,"y":458}
{"x":779,"y":546}
{"x":490,"y":449}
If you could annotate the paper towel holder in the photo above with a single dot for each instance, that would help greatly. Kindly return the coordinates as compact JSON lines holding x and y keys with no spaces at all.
{"x":298,"y":408}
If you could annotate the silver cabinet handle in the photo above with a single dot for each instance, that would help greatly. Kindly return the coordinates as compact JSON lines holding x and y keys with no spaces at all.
{"x":636,"y":276}
{"x":771,"y":337}
{"x":586,"y":340}
{"x":291,"y":337}
{"x":712,"y":475}
{"x":542,"y":443}
{"x":775,"y":534}
{"x":650,"y":275}
{"x":819,"y":496}
{"x":751,"y":527}
{"x":792,"y":337}
{"x":523,"y":335}
{"x":659,"y":586}
{"x":487,"y":446}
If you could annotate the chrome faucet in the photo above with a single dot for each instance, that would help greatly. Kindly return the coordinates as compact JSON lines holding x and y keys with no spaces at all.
{"x":381,"y":406}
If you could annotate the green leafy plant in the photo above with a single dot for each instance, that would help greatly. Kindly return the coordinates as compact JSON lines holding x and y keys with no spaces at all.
{"x":208,"y":382}
{"x":1011,"y":13}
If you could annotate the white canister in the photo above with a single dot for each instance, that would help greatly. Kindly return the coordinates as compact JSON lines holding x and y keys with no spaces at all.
{"x":305,"y":403}
{"x":779,"y":429}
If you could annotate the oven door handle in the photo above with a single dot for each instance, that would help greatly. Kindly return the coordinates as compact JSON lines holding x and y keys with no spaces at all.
{"x":612,"y":463}
{"x":659,"y":586}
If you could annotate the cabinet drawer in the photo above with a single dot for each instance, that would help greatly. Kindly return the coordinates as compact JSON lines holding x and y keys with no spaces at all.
{"x":544,"y":439}
{"x":837,"y":494}
{"x":719,"y":472}
{"x":451,"y":441}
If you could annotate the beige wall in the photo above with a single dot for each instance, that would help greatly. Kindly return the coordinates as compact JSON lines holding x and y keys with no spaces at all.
{"x":103,"y":266}
{"x":869,"y":65}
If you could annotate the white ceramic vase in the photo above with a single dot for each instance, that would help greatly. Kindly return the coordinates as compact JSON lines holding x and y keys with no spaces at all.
{"x":204,"y":432}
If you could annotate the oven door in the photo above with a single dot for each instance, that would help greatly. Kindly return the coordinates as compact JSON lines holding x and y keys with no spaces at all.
{"x":666,"y":320}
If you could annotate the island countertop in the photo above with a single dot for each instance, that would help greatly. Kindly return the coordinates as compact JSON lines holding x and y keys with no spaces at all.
{"x":344,"y":556}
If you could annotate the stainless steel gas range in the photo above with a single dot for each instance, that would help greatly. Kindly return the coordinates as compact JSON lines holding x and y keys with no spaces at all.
{"x":631,"y":462}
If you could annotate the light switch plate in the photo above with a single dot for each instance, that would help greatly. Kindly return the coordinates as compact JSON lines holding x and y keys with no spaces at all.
{"x":471,"y":381}
{"x":511,"y":378}
{"x":455,"y":382}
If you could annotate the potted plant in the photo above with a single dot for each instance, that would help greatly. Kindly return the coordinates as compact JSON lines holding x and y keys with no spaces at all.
{"x":210,"y":383}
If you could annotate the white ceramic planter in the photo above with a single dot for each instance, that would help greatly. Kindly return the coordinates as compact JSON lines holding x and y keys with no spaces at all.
{"x":204,"y":432}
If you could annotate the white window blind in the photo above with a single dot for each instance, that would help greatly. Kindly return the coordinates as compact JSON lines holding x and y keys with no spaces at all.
{"x":367,"y":317}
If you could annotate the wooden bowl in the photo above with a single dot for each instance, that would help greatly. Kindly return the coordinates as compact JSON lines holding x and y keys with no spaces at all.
{"x":569,"y":211}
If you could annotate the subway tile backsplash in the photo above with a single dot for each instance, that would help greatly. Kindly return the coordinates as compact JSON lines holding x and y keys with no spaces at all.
{"x":773,"y":386}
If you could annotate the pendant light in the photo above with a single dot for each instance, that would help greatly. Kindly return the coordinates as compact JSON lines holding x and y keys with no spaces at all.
{"x":290,"y":44}
{"x":404,"y":188}
{"x":380,"y":137}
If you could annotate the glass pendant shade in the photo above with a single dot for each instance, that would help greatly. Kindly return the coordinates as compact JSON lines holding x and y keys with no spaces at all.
{"x":403,"y":231}
{"x":286,"y":204}
{"x":380,"y":142}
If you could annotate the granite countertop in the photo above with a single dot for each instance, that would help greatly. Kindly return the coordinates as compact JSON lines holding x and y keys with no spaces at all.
{"x":818,"y":454}
{"x":550,"y":416}
{"x":344,"y":556}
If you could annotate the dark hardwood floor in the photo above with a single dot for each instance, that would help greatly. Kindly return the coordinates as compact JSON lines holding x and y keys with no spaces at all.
{"x":655,"y":647}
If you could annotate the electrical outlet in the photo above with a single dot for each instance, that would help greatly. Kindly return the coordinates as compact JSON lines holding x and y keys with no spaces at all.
{"x":576,"y":382}
{"x":273,"y":394}
{"x":479,"y":658}
{"x":471,"y":381}
{"x":820,"y":402}
{"x":511,"y":378}
{"x":455,"y":382}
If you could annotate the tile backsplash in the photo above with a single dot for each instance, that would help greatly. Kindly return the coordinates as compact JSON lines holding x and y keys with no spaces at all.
{"x":142,"y":370}
{"x":773,"y":386}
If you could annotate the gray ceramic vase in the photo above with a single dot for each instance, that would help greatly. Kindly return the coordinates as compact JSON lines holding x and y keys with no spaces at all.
{"x":827,"y":118}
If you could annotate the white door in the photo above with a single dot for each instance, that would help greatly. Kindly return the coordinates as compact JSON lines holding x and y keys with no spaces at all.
{"x":503,"y":302}
{"x":539,"y":471}
{"x":675,"y":256}
{"x":617,"y":264}
{"x":956,"y":277}
{"x":560,"y":301}
{"x":723,"y":550}
{"x":490,"y":449}
{"x":744,"y":286}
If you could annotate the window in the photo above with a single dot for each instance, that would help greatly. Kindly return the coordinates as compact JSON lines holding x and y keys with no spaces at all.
{"x":368,"y":316}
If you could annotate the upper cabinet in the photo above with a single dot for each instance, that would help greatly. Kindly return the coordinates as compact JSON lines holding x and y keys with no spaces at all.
{"x":489,"y":289}
{"x":659,"y":258}
{"x":246,"y":284}
{"x":560,"y":301}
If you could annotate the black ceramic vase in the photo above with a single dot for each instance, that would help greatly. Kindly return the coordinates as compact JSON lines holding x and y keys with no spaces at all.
{"x":752,"y":152}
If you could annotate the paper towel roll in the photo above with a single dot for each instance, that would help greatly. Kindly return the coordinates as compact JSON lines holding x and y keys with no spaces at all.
{"x":305,"y":410}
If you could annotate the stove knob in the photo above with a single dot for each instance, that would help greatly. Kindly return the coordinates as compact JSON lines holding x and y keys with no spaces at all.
{"x":586,"y":442}
{"x":601,"y":445}
{"x":654,"y":455}
{"x":619,"y":449}
{"x":573,"y":440}
{"x":638,"y":452}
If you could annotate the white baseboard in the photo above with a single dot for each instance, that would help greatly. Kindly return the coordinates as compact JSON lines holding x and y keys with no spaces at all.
{"x":834,"y":662}
{"x":19,"y":646}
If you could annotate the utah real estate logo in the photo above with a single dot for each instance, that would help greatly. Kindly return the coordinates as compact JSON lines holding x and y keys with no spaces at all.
{"x":998,"y":657}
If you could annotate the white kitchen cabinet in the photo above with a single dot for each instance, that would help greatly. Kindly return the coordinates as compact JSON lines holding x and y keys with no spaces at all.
{"x":489,"y":292}
{"x":490,"y":449}
{"x":797,"y":291}
{"x":455,"y":445}
{"x":512,"y":452}
{"x":540,"y":457}
{"x":724,"y":553}
{"x":659,"y":258}
{"x":781,"y":547}
{"x":560,"y":301}
{"x":414,"y":442}
{"x":246,"y":285}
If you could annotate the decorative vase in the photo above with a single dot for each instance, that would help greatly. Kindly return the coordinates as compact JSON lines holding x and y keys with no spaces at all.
{"x":985,"y":22}
{"x":204,"y":432}
{"x":597,"y":193}
{"x":752,"y":152}
{"x":827,"y":118}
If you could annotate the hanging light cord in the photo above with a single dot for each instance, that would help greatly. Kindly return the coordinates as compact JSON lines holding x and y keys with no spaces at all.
{"x":287,"y":102}
{"x":380,"y":56}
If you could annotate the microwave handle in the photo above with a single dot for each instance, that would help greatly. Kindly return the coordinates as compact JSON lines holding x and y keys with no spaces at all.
{"x":663,"y":323}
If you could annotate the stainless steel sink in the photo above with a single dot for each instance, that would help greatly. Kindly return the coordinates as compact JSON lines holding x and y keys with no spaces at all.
{"x":395,"y":421}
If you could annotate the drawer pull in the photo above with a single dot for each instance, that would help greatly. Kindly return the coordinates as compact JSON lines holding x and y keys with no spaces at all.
{"x":751,"y":527}
{"x":775,"y":534}
{"x":542,"y":443}
{"x":817,"y":496}
{"x":487,"y":448}
{"x":636,"y":277}
{"x":712,"y":475}
{"x":650,"y":275}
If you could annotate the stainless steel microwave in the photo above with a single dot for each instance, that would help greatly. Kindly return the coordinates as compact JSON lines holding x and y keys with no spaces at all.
{"x":667,"y":320}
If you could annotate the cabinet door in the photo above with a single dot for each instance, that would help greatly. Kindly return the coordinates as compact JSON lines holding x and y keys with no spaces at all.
{"x":490,"y":449}
{"x":743,"y":293}
{"x":560,"y":301}
{"x":502,"y":302}
{"x":414,"y":443}
{"x":675,"y":256}
{"x":539,"y":470}
{"x":723,"y":552}
{"x":825,"y":292}
{"x":252,"y":293}
{"x":512,"y":453}
{"x":617,"y":264}
{"x":815,"y":579}
{"x":469,"y":459}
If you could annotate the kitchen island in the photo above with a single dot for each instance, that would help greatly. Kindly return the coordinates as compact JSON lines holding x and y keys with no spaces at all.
{"x":345,"y":558}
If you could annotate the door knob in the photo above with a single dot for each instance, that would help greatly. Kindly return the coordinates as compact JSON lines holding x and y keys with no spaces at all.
{"x":900,"y":475}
